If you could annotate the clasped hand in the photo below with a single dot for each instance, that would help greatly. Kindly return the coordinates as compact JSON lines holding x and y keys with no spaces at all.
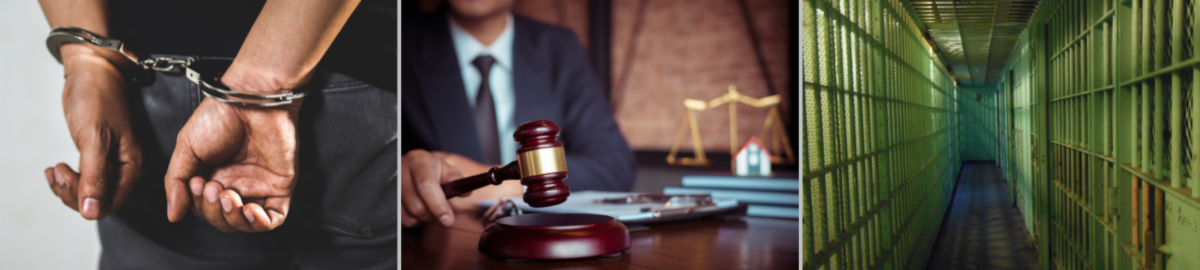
{"x":233,"y":166}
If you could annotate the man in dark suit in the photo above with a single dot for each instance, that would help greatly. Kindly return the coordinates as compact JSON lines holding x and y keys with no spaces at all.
{"x":470,"y":73}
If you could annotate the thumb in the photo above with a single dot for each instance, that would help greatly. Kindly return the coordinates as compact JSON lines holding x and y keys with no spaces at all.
{"x":449,"y":174}
{"x":210,"y":134}
{"x":183,"y":166}
{"x":269,"y":214}
{"x":94,"y":177}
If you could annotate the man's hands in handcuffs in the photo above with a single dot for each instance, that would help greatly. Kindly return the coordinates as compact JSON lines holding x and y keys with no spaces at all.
{"x":235,"y":166}
{"x":110,"y":160}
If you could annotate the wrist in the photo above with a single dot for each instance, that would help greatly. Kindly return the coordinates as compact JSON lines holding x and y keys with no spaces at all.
{"x":82,"y":52}
{"x":278,"y":117}
{"x":78,"y":55}
{"x":245,"y":79}
{"x":71,"y":51}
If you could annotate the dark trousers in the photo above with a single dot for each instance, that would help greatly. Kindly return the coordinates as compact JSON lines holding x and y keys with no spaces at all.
{"x":343,"y":213}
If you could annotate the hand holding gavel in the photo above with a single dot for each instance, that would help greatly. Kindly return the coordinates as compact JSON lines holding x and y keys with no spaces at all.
{"x":540,"y":165}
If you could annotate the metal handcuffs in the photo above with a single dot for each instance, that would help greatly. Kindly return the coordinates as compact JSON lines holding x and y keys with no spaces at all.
{"x":206,"y":73}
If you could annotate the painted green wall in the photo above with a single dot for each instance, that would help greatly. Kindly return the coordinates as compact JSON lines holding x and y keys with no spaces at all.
{"x":978,"y":123}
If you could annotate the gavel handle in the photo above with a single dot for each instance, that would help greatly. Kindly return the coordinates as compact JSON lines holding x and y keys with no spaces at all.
{"x":494,"y":176}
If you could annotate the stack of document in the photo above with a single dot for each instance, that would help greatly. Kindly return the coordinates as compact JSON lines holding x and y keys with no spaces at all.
{"x":767,"y":196}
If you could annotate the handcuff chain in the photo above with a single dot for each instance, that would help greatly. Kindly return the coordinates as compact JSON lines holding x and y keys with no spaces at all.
{"x":209,"y":83}
{"x":165,"y":64}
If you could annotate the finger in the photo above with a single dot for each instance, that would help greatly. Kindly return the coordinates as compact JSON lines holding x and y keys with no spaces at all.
{"x":449,"y":174}
{"x":252,"y":182}
{"x":277,"y":210}
{"x":408,"y":220}
{"x":183,"y":165}
{"x":211,"y":207}
{"x":130,"y":169}
{"x":93,"y":169}
{"x":262,"y":220}
{"x":415,"y":160}
{"x":196,"y":188}
{"x":187,"y":161}
{"x":54,"y":183}
{"x":65,"y":184}
{"x":428,"y":186}
{"x":231,"y":207}
{"x":49,"y":172}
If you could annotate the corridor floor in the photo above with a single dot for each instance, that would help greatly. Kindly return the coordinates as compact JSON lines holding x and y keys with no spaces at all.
{"x":983,"y":229}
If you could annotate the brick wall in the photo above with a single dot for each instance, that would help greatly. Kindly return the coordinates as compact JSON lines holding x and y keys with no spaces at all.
{"x":571,"y":14}
{"x":694,"y":49}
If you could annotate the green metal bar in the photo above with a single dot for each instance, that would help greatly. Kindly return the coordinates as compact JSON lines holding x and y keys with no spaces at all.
{"x":1135,"y":90}
{"x":880,"y":224}
{"x":810,"y":67}
{"x":824,"y":226}
{"x":842,"y":141}
{"x":873,"y":96}
{"x":856,"y":175}
{"x":863,"y":192}
{"x":1104,"y":80}
{"x":1084,"y":150}
{"x":1040,"y":95}
{"x":1195,"y":184}
{"x":1158,"y":127}
{"x":849,"y":186}
{"x":813,"y":67}
{"x":1176,"y":97}
{"x":1146,"y":154}
{"x":871,"y":179}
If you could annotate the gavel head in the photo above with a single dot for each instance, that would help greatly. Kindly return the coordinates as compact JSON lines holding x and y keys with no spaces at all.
{"x":543,"y":163}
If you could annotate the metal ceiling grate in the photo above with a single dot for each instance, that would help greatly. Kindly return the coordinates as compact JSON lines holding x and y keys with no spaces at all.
{"x":975,"y":38}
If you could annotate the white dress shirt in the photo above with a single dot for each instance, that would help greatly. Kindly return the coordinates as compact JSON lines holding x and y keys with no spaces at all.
{"x":500,"y":77}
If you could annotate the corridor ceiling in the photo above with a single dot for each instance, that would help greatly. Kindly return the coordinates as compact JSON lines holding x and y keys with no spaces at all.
{"x":976,"y":37}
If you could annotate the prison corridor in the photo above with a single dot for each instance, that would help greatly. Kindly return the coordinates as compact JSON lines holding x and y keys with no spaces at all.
{"x":983,"y":230}
{"x":1088,"y":109}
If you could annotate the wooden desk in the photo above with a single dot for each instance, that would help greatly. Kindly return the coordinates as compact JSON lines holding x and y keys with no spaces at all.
{"x":741,"y":243}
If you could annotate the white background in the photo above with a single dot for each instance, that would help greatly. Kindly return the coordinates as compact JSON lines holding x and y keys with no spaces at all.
{"x":36,"y":230}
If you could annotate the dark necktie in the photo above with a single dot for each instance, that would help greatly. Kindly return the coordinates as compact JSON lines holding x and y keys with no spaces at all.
{"x":485,"y":113}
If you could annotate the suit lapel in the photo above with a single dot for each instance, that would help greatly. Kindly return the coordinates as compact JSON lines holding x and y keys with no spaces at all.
{"x":531,"y":76}
{"x":442,"y":90}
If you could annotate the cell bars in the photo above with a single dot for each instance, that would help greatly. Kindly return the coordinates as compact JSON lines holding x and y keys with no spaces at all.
{"x":881,"y":148}
{"x":1108,"y":86}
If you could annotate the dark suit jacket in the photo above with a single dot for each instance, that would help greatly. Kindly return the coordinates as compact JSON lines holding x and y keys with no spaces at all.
{"x":551,"y":81}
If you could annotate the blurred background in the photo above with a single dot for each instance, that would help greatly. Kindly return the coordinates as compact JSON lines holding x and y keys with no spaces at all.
{"x":650,"y":55}
{"x":36,"y":230}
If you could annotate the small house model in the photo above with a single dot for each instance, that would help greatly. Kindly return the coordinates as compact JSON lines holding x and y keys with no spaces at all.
{"x":752,"y":159}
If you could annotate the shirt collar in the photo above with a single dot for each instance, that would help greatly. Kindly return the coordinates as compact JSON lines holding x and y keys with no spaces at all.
{"x":467,"y":47}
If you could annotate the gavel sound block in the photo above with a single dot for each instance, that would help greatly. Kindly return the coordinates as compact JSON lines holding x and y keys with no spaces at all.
{"x":541,"y":166}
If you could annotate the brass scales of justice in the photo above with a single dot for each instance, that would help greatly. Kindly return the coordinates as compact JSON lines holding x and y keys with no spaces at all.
{"x":772,"y":127}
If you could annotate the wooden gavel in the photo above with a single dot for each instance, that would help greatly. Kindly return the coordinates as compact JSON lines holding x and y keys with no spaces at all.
{"x":541,"y":166}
